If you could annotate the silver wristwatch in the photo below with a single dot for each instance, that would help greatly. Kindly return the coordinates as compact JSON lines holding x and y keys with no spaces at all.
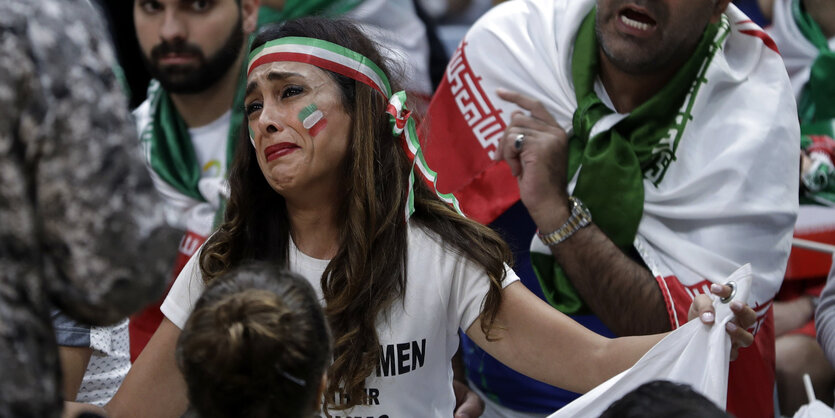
{"x":579,"y":217}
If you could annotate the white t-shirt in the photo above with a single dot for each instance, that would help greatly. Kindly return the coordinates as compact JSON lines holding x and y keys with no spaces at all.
{"x":209,"y":143}
{"x":444,"y":292}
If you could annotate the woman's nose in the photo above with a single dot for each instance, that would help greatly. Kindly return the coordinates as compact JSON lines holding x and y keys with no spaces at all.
{"x":270,"y":120}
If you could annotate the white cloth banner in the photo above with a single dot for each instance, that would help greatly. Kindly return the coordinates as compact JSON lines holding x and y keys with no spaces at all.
{"x":694,"y":354}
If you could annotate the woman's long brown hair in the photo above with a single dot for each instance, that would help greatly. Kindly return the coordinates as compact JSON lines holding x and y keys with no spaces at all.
{"x":368,"y":273}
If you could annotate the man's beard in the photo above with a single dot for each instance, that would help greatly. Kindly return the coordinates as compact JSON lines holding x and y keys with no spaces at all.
{"x":191,"y":79}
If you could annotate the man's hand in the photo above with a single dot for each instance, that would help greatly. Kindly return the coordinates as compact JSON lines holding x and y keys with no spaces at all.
{"x":744,"y":317}
{"x":540,"y":164}
{"x":467,"y":403}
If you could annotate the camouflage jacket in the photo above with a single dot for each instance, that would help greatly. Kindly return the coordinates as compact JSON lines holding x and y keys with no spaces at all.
{"x":80,"y":225}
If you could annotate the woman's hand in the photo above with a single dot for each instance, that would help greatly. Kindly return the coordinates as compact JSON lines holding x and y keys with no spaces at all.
{"x":745,"y":317}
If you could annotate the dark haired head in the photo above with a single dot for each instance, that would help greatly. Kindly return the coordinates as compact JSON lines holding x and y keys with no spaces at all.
{"x":368,"y":273}
{"x":663,"y":399}
{"x":256,"y":343}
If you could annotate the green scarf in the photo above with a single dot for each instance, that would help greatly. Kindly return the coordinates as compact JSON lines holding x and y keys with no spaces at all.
{"x":614,"y":163}
{"x":171,"y":153}
{"x":816,"y":106}
{"x":299,"y":8}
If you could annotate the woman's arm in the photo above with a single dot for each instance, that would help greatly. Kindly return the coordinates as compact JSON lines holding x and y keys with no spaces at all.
{"x":541,"y":342}
{"x":154,"y":386}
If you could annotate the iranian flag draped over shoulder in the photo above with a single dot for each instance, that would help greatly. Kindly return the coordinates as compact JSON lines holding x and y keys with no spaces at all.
{"x":725,"y":193}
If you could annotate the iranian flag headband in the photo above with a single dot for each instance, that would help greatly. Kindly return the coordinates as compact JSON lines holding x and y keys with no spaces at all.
{"x":343,"y":61}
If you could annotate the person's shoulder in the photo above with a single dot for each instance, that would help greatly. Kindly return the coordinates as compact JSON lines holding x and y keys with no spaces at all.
{"x":142,"y":113}
{"x":426,"y":243}
{"x":747,"y":43}
{"x":534,"y":24}
{"x":517,"y":14}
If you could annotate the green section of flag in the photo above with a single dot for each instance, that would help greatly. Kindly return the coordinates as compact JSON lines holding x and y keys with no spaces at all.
{"x":307,"y":111}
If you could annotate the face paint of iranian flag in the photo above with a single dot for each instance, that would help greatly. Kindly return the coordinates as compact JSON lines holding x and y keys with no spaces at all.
{"x":312,"y":119}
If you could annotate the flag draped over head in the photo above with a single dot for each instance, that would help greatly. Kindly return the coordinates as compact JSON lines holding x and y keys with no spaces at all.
{"x":697,"y":181}
{"x":612,"y":164}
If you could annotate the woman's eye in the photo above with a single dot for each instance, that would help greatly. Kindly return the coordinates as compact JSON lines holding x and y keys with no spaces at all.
{"x":291,"y":91}
{"x":252,"y":108}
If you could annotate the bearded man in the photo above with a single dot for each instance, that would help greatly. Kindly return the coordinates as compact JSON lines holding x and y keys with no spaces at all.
{"x":654,"y":146}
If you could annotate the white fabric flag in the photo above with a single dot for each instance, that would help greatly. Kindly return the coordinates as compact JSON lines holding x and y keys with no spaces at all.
{"x":695,"y":354}
{"x":815,"y":409}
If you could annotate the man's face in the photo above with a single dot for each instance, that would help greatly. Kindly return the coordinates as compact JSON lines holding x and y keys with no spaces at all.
{"x":189,"y":45}
{"x":650,"y":36}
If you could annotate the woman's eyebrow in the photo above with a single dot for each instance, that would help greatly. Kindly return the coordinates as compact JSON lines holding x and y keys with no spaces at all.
{"x":271,"y":76}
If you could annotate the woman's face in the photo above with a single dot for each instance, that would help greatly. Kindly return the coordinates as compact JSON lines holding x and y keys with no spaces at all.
{"x":299,"y":127}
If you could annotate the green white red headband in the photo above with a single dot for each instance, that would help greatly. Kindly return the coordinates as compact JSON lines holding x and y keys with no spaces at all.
{"x":343,"y":61}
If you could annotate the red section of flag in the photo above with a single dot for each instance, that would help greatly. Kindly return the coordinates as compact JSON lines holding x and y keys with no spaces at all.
{"x":751,"y":375}
{"x":315,"y":129}
{"x":144,"y":324}
{"x":759,"y":33}
{"x":458,"y":136}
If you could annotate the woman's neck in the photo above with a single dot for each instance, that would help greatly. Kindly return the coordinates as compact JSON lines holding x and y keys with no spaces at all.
{"x":314,"y":229}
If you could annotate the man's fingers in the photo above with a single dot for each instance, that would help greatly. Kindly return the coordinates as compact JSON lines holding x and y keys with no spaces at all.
{"x":523,"y":120}
{"x":508,"y":151}
{"x":528,"y":103}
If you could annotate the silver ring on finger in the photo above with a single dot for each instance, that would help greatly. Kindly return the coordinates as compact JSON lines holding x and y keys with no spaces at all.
{"x":519,"y":142}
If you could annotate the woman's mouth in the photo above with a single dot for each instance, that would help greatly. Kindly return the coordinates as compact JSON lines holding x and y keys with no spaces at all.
{"x":279,"y":150}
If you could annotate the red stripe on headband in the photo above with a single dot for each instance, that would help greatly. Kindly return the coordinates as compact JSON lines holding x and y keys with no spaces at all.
{"x":319,"y":62}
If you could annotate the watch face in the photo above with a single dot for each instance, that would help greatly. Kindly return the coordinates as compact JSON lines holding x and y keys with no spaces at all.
{"x":580,"y":209}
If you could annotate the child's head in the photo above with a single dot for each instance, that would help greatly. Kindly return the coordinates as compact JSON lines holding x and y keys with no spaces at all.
{"x":256,"y":345}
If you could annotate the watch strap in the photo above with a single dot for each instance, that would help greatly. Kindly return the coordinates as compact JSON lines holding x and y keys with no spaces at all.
{"x":577,"y":219}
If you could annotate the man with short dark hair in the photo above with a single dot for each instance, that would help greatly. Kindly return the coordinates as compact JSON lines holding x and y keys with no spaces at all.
{"x":189,"y":123}
{"x":652,"y":144}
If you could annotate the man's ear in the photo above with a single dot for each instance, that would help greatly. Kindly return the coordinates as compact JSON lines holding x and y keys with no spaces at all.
{"x":249,"y":12}
{"x":718,"y":9}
